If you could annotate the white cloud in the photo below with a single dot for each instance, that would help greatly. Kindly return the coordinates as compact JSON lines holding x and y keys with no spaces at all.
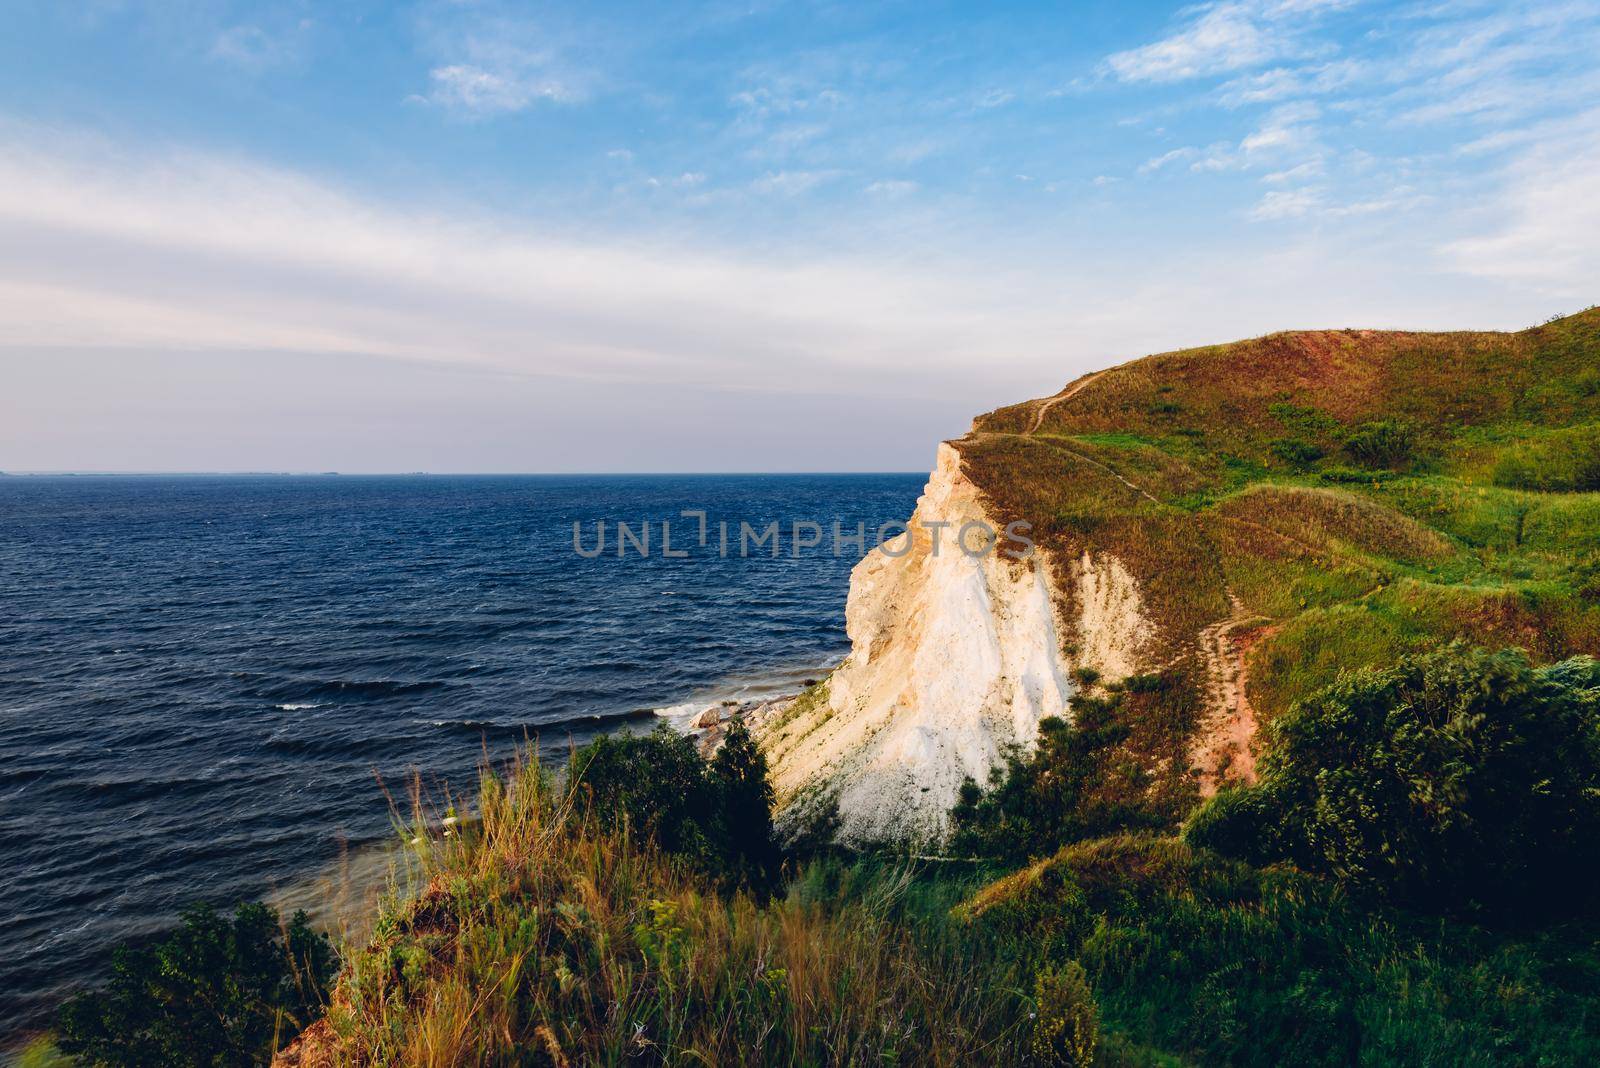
{"x":101,"y":246}
{"x":1284,"y":83}
{"x":1546,"y":233}
{"x":1166,"y":159}
{"x":1222,"y":38}
{"x":250,"y":47}
{"x":792,"y":183}
{"x":1286,"y":126}
{"x":487,"y":92}
{"x":892,"y":188}
{"x":492,"y":64}
{"x":1309,"y":169}
{"x":1286,"y":204}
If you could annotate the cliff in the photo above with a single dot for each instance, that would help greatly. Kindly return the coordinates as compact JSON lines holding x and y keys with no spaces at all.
{"x":1228,"y":526}
{"x":955,"y":656}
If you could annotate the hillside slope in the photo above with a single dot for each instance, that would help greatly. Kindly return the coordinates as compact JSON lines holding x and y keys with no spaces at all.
{"x":1232,"y":525}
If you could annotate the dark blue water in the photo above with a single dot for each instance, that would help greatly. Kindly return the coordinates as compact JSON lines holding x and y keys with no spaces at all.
{"x":200,"y":676}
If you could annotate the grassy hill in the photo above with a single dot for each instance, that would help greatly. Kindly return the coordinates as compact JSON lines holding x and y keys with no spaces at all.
{"x":1342,"y":497}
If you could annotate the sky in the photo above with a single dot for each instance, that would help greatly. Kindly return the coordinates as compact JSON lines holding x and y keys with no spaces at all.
{"x":486,"y":236}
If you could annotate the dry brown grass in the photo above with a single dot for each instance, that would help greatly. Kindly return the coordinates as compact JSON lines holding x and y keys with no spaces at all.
{"x":542,"y":939}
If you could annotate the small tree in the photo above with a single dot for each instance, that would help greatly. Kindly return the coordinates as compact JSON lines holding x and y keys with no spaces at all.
{"x":214,"y":992}
{"x":740,"y":773}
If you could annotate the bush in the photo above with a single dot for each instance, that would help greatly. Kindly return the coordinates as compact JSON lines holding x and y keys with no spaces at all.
{"x":1296,"y":453}
{"x":1455,"y":779}
{"x":1236,"y":822}
{"x":1386,"y":443}
{"x":717,"y":813}
{"x":1197,"y":959}
{"x":214,"y":992}
{"x":1066,"y":1029}
{"x":1065,"y":791}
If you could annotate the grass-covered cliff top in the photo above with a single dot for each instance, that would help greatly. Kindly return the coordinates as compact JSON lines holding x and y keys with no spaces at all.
{"x":1354,"y":492}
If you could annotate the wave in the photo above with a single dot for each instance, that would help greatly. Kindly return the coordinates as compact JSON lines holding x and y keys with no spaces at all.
{"x":301,"y":692}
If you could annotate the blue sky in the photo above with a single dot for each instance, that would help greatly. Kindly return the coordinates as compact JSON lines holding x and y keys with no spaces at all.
{"x":476,"y":235}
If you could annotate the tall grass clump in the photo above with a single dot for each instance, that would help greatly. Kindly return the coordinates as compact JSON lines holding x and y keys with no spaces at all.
{"x":553,"y":933}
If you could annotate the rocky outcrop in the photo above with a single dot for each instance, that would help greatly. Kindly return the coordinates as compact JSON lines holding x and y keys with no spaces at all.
{"x":955,"y":658}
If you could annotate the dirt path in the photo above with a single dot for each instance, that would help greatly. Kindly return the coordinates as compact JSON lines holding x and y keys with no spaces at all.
{"x":1045,"y":406}
{"x":1223,"y":749}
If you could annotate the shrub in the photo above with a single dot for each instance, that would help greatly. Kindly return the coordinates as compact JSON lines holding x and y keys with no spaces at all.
{"x":1386,"y":443}
{"x":1066,"y":1029}
{"x":1063,"y":792}
{"x":1306,"y":420}
{"x":1236,"y":822}
{"x":1455,"y":779}
{"x":717,"y":813}
{"x":1296,"y":453}
{"x":1213,"y":962}
{"x":744,"y":796}
{"x":214,"y":992}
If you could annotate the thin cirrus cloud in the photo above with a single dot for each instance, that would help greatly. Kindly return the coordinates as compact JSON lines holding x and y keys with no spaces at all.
{"x":105,"y":246}
{"x":496,"y":65}
{"x":1549,"y":216}
{"x":488,"y":92}
{"x":1221,"y":38}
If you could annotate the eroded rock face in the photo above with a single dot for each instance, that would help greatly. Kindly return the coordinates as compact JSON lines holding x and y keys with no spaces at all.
{"x":1113,"y":633}
{"x":953,"y":658}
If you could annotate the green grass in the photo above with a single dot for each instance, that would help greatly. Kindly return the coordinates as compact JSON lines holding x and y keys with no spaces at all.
{"x":1396,"y":518}
{"x":1212,"y":961}
{"x":543,"y":939}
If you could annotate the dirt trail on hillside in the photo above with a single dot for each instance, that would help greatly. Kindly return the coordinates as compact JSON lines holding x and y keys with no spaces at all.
{"x":1045,"y":406}
{"x":1223,"y":748}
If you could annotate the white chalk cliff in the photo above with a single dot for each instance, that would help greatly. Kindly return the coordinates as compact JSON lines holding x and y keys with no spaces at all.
{"x":954,"y":657}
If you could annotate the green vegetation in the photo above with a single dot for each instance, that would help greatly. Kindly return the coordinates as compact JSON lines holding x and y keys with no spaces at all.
{"x":1453,"y":779}
{"x":551,"y":936}
{"x":1449,"y":790}
{"x":1382,"y":443}
{"x":214,"y":992}
{"x":1204,"y":960}
{"x":1361,"y":494}
{"x":1077,"y":783}
{"x":1562,"y":461}
{"x":716,"y":813}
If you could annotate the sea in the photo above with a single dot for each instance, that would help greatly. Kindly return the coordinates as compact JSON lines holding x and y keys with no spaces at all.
{"x":208,"y":684}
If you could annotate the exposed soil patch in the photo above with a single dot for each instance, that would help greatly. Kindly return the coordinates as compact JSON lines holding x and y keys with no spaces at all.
{"x":1223,"y":749}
